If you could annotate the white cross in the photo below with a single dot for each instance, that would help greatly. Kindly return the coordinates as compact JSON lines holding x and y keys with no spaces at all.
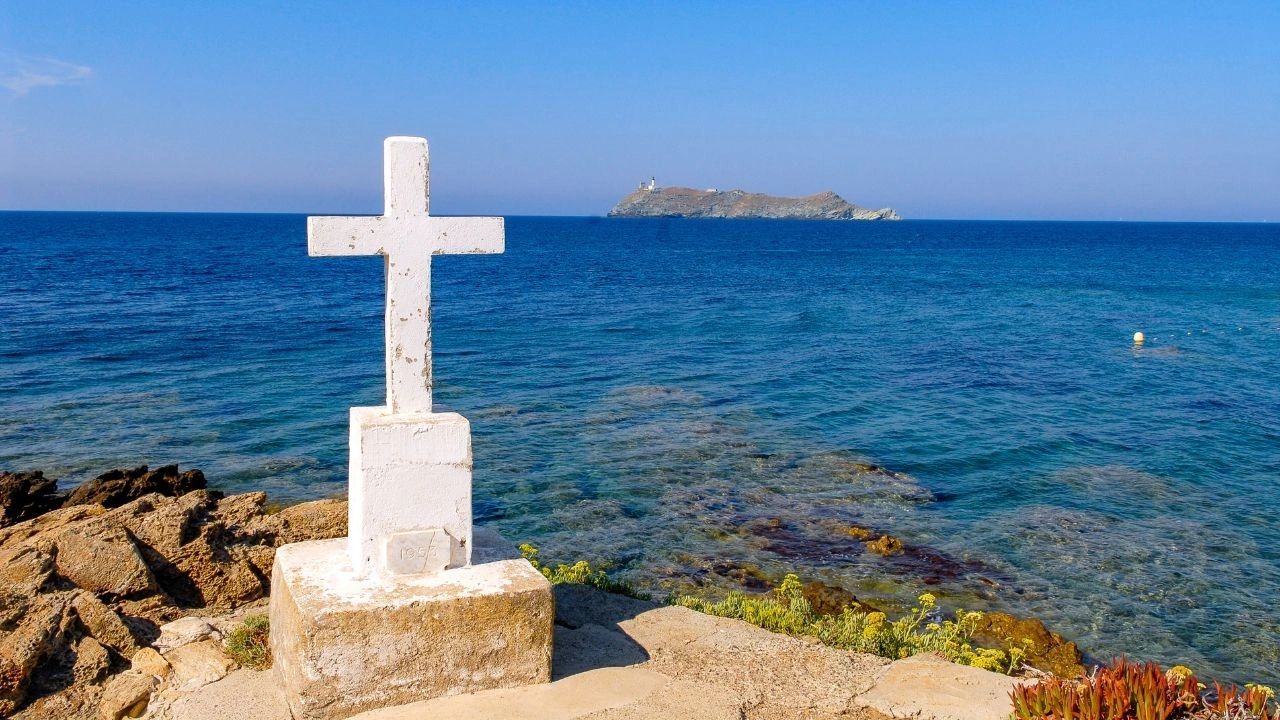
{"x":406,"y":236}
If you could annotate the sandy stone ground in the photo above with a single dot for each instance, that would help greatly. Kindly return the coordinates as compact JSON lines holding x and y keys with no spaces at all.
{"x":622,"y":659}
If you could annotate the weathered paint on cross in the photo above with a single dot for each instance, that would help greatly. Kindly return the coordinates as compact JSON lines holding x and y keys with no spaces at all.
{"x":406,"y":236}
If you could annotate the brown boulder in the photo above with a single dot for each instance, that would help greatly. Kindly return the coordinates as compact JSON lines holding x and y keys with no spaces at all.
{"x":163,"y":525}
{"x":149,"y":612}
{"x":24,"y":495}
{"x":239,"y":511}
{"x":104,"y":624}
{"x":100,"y":556}
{"x":199,"y":549}
{"x":316,"y":520}
{"x":117,"y":487}
{"x":887,"y":545}
{"x":219,"y":576}
{"x":126,"y":695}
{"x":92,"y":661}
{"x":1046,"y":650}
{"x":24,"y":570}
{"x":149,"y":662}
{"x":37,"y":635}
{"x":13,"y":606}
{"x":83,"y":587}
{"x":15,"y":535}
{"x":78,"y":701}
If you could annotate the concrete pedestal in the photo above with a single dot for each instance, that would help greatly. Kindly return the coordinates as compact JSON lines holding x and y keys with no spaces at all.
{"x":343,"y":645}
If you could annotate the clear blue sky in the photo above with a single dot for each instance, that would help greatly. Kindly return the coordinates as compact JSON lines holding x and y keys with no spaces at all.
{"x":956,"y":110}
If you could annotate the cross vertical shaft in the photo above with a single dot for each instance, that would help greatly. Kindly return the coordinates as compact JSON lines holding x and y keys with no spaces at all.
{"x":405,"y":177}
{"x":407,"y":330}
{"x":406,"y":236}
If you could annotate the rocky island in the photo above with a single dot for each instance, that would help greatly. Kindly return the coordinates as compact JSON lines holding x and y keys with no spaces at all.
{"x":652,"y":201}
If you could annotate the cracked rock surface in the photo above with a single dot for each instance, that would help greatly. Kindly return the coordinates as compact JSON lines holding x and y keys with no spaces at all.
{"x":88,"y":578}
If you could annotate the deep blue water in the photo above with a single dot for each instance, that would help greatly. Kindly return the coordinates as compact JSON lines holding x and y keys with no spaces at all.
{"x":682,"y":398}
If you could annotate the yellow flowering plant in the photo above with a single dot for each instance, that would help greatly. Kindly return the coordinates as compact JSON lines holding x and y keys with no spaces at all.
{"x":786,"y":611}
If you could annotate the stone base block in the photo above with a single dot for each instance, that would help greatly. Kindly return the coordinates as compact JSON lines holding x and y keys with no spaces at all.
{"x":343,"y":645}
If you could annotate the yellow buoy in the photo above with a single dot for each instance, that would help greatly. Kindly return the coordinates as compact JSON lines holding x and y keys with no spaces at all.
{"x":1139,"y":338}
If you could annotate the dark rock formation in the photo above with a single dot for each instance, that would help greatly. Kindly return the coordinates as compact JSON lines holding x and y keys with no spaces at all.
{"x":25,"y":495}
{"x":690,"y":203}
{"x":117,"y":487}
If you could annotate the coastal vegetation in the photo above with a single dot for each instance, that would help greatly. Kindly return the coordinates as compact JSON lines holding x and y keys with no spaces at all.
{"x":786,"y":610}
{"x":579,"y":573}
{"x":248,"y":644}
{"x":921,"y":630}
{"x":1125,"y":690}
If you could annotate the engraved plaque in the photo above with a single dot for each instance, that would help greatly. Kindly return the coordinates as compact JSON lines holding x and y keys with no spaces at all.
{"x":420,"y":552}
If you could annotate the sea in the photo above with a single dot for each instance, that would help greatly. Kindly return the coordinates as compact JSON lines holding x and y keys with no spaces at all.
{"x":712,"y":404}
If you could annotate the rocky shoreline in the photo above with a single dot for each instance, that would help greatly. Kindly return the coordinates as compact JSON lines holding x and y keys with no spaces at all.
{"x":133,"y":577}
{"x":92,"y":578}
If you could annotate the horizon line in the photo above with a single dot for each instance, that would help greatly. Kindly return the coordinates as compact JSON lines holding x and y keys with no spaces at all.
{"x":608,"y":217}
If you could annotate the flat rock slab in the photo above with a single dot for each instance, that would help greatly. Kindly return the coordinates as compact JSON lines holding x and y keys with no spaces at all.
{"x":763,"y":674}
{"x":930,"y":687}
{"x":242,"y":695}
{"x":572,"y":697}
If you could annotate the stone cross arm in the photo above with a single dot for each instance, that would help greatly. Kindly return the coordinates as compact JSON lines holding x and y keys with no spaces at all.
{"x":391,"y":236}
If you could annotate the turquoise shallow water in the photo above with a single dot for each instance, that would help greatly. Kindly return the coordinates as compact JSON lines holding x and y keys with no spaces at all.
{"x":683,"y":398}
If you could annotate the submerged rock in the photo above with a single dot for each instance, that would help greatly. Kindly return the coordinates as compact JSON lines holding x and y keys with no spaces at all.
{"x":1046,"y":650}
{"x":705,"y":569}
{"x":806,"y":542}
{"x":857,"y":532}
{"x":831,"y":600}
{"x":886,"y":545}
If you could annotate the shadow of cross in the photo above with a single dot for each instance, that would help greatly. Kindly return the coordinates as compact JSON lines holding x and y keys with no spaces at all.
{"x":406,"y":235}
